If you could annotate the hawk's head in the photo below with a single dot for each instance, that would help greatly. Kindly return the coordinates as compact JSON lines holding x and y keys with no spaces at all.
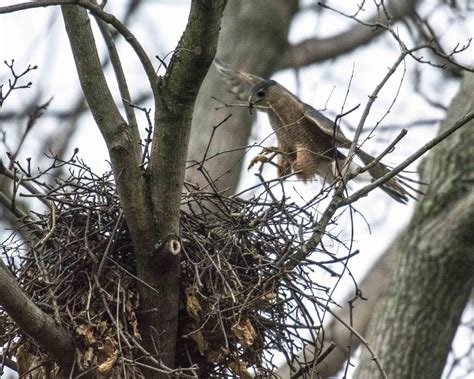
{"x":260,"y":95}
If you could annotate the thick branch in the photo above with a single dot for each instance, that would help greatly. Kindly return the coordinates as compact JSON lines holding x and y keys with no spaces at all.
{"x":121,"y":141}
{"x":432,"y":276}
{"x":174,"y":107}
{"x":316,"y":50}
{"x":178,"y":92}
{"x":119,"y":75}
{"x":107,"y":17}
{"x":251,"y":43}
{"x":33,"y":321}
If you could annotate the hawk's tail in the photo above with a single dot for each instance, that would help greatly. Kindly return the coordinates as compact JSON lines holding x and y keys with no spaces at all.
{"x":398,"y":187}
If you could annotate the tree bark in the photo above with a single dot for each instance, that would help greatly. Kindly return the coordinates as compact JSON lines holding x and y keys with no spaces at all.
{"x":415,"y":321}
{"x":41,"y":327}
{"x":121,"y":139}
{"x":314,"y":50}
{"x":249,"y":42}
{"x":177,"y":94}
{"x":151,"y":207}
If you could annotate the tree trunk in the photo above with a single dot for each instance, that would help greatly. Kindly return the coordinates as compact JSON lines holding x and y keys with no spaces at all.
{"x":415,"y":321}
{"x":249,"y":42}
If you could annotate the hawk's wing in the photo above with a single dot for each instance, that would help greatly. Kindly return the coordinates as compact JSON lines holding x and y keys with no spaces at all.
{"x":396,"y":187}
{"x":327,"y":126}
{"x":239,"y":82}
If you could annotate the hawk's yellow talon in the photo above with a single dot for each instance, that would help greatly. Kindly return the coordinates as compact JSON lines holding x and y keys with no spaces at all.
{"x":259,"y":158}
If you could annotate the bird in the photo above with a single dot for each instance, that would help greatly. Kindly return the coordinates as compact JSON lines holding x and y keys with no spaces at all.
{"x":309,"y":143}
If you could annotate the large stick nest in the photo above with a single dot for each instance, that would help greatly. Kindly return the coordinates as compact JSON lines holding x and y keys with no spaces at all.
{"x":245,"y":300}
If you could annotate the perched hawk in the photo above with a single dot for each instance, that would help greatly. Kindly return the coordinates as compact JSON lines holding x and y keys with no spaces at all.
{"x":308,"y":141}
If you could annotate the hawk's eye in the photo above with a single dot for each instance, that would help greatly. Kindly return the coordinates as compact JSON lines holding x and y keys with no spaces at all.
{"x":261,"y":93}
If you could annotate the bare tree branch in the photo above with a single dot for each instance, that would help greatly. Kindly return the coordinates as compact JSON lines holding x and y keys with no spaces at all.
{"x":359,"y":337}
{"x":120,"y":75}
{"x":432,"y":265}
{"x":120,"y":138}
{"x":316,"y":50}
{"x":243,"y":44}
{"x":336,"y":332}
{"x":107,"y":17}
{"x":174,"y":107}
{"x":428,"y":146}
{"x":34,"y":322}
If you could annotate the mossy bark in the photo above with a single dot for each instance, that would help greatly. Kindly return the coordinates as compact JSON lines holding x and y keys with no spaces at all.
{"x":416,"y":319}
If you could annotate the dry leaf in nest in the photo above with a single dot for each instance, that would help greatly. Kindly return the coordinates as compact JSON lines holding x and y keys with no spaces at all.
{"x":105,"y":368}
{"x":108,"y":355}
{"x":24,"y":359}
{"x":193,"y":306}
{"x":200,"y":341}
{"x":269,"y":296}
{"x":244,"y":332}
{"x":88,"y":358}
{"x":131,"y":305}
{"x":216,"y":356}
{"x":134,"y":324}
{"x":108,"y":347}
{"x":102,"y":327}
{"x":88,"y":334}
{"x":240,"y":369}
{"x":131,"y":300}
{"x":31,"y":363}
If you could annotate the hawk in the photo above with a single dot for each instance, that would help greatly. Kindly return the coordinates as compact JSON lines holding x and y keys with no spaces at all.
{"x":309,"y":143}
